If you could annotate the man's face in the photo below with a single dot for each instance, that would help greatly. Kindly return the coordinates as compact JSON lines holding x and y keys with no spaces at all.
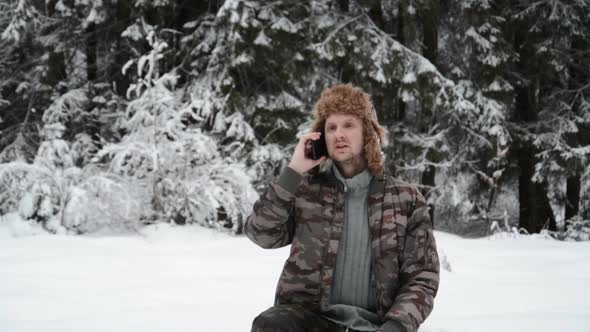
{"x":344,"y":137}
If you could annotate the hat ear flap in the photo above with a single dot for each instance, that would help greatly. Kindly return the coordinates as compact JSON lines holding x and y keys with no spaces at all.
{"x":382,"y":134}
{"x":372,"y":147}
{"x":374,"y":158}
{"x":317,"y":126}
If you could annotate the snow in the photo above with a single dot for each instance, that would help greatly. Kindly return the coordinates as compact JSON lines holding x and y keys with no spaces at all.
{"x":133,"y":32}
{"x":67,"y":106}
{"x":194,"y":279}
{"x":239,"y":128}
{"x":265,"y":14}
{"x":283,"y":24}
{"x":243,"y":59}
{"x":409,"y":78}
{"x":425,"y":66}
{"x":378,"y":75}
{"x":262,"y":39}
{"x":483,"y":43}
{"x":283,"y":101}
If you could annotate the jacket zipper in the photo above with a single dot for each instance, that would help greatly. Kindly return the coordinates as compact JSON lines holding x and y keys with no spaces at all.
{"x":327,"y":248}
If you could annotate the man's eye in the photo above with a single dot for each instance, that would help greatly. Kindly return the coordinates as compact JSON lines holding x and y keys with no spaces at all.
{"x":348,"y":125}
{"x":331,"y":128}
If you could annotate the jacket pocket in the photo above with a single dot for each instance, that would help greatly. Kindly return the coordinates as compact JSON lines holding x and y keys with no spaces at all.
{"x":391,"y":233}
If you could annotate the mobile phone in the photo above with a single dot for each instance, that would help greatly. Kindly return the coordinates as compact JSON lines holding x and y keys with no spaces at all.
{"x":318,"y":148}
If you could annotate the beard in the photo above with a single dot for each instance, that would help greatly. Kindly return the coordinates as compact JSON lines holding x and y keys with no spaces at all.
{"x":350,"y":160}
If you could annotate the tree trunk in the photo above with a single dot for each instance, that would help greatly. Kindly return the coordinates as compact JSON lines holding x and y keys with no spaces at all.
{"x":376,"y":14}
{"x":535,"y":210}
{"x":428,"y":181}
{"x":91,"y":41}
{"x":430,"y":49}
{"x":121,"y":53}
{"x":214,"y":6}
{"x":579,"y":75}
{"x":50,"y":7}
{"x":189,"y":10}
{"x":343,"y":5}
{"x":572,"y":204}
{"x":401,"y":105}
{"x":430,"y":32}
{"x":347,"y":72}
{"x":56,"y":68}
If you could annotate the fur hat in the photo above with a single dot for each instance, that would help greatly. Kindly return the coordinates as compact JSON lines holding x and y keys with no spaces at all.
{"x":347,"y":99}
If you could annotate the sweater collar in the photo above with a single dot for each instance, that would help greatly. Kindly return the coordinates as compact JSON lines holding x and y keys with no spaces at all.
{"x":325,"y":176}
{"x":358,"y":182}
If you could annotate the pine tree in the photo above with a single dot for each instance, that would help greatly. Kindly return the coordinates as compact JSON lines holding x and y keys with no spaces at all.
{"x":550,"y":115}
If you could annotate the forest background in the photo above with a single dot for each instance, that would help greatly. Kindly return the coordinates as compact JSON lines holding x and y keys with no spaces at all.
{"x":115,"y":114}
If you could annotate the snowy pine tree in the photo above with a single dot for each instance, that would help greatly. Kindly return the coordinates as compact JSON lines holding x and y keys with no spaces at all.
{"x":185,"y":174}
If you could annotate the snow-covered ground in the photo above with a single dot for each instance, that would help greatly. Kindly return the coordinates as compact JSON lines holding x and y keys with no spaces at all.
{"x":194,"y":279}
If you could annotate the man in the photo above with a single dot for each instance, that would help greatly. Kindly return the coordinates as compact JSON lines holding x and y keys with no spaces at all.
{"x":363,"y":255}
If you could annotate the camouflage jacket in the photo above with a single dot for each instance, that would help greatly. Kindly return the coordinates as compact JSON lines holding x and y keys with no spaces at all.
{"x":308,"y":213}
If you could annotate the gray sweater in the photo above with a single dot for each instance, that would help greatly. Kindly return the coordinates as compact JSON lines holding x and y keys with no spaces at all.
{"x":353,"y":301}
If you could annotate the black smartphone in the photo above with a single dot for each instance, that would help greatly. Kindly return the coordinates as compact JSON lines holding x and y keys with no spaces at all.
{"x":318,"y":148}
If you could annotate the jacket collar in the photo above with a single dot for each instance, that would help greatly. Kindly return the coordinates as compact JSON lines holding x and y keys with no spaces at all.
{"x":324,"y":176}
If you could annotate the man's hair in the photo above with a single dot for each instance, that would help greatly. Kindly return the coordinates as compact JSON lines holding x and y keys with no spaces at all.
{"x":347,"y":99}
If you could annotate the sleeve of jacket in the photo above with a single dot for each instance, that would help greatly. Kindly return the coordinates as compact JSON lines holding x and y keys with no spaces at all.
{"x":271,"y":223}
{"x":419,"y":270}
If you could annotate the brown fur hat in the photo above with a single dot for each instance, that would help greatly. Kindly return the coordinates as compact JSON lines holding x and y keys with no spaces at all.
{"x":347,"y":99}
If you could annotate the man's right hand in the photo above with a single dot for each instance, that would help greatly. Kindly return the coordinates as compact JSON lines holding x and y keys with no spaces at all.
{"x":300,"y":161}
